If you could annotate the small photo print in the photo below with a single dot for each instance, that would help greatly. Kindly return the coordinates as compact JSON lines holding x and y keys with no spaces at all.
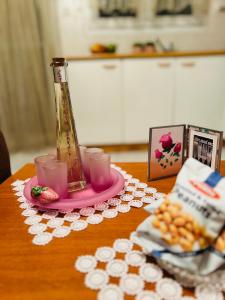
{"x":203,"y":147}
{"x":166,"y":151}
{"x":202,"y":150}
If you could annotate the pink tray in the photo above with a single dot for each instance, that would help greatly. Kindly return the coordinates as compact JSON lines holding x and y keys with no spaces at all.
{"x":80,"y":199}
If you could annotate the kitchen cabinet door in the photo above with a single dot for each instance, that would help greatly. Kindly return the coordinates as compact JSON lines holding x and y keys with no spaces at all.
{"x":95,"y":88}
{"x":148,"y":96}
{"x":200,"y":91}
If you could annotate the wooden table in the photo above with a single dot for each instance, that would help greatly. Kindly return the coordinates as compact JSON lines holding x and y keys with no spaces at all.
{"x":46,"y":272}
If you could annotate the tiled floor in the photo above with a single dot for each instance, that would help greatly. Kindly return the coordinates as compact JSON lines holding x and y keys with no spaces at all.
{"x":20,"y":158}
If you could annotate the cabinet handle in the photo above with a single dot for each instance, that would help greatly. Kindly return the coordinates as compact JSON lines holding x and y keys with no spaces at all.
{"x":190,"y":64}
{"x":164,"y":65}
{"x":109,"y":67}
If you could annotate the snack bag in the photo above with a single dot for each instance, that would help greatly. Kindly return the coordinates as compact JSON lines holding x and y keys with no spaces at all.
{"x":189,"y":219}
{"x":216,"y":254}
{"x":219,"y":245}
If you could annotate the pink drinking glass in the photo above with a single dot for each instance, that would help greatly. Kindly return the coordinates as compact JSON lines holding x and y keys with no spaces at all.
{"x":100,"y":171}
{"x":82,"y":156}
{"x":55,"y":173}
{"x":86,"y":164}
{"x":39,"y":162}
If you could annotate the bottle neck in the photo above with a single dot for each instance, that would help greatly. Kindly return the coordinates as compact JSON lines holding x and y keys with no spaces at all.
{"x":59,"y":66}
{"x":60,"y":74}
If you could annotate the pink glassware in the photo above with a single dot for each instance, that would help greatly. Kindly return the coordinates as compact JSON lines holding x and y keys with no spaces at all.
{"x":39,"y":162}
{"x":99,"y":164}
{"x":55,"y":173}
{"x":82,"y":156}
{"x":86,"y":165}
{"x":79,"y":199}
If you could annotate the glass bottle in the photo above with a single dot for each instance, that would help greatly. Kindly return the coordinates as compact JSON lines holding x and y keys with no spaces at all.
{"x":67,"y":142}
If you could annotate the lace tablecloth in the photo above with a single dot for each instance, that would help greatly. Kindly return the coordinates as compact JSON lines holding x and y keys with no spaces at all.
{"x":46,"y":225}
{"x":124,"y":269}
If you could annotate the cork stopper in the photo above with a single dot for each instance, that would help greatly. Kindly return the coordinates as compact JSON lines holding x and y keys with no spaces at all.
{"x":58,"y":61}
{"x":59,"y":65}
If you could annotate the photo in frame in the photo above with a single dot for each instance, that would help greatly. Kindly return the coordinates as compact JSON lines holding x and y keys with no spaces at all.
{"x":205,"y":145}
{"x":166,"y":151}
{"x":169,"y":146}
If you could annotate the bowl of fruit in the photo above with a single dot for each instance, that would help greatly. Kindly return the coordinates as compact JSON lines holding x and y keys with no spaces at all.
{"x":100,"y":48}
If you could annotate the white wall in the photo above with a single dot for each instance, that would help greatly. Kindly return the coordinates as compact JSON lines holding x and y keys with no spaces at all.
{"x":77,"y":32}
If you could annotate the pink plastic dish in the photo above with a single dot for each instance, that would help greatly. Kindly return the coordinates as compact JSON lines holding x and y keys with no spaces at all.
{"x":80,"y":199}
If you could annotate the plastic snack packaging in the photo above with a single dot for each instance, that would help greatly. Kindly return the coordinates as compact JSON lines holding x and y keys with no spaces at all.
{"x":216,"y":254}
{"x":186,"y":228}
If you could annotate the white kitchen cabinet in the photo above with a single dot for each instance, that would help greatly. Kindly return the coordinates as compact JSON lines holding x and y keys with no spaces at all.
{"x":95,"y":88}
{"x":148,"y":94}
{"x":200,"y":91}
{"x":116,"y":100}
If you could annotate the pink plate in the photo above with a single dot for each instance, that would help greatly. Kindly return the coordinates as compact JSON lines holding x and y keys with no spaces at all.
{"x":80,"y":199}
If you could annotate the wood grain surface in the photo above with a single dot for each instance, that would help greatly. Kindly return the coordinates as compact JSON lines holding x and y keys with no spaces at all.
{"x":146,"y":55}
{"x":47,"y":272}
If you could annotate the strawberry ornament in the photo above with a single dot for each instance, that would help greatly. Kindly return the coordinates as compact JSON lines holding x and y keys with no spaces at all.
{"x":44,"y":194}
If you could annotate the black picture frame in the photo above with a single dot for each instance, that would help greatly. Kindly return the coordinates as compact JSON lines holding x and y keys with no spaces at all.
{"x":210,"y":133}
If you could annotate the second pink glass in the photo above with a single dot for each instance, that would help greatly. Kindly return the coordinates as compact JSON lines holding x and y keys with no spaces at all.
{"x":39,"y":162}
{"x":88,"y":152}
{"x":55,"y":173}
{"x":100,"y":175}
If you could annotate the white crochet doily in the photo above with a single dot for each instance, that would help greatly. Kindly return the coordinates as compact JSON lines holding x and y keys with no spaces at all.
{"x":45,"y":225}
{"x":136,"y":275}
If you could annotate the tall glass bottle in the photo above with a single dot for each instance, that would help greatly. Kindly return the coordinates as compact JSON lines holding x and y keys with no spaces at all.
{"x":67,"y":142}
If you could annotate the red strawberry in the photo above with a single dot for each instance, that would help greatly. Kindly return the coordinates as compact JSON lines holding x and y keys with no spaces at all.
{"x":44,"y":194}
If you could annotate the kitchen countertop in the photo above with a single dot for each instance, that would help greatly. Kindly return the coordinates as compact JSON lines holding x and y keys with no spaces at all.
{"x":145,"y":55}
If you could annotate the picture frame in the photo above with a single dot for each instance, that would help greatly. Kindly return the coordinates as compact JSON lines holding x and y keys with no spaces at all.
{"x":166,"y":151}
{"x":201,"y":143}
{"x":205,"y":145}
